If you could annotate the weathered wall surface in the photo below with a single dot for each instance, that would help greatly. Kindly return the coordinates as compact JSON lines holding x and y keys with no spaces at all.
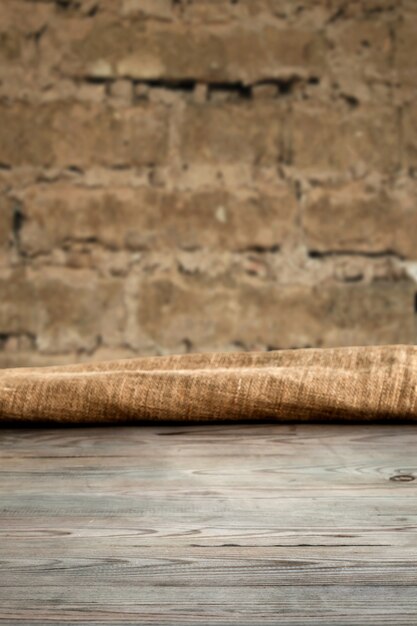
{"x":186,"y":175}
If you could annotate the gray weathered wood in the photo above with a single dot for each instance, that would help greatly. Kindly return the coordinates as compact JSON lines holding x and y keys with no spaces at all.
{"x":213,"y":525}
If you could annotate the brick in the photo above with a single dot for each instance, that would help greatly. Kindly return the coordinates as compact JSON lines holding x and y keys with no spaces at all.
{"x":361,"y":56}
{"x":31,"y":358}
{"x":239,"y":53}
{"x":21,"y":27}
{"x":81,"y":135}
{"x":405,"y":52}
{"x":122,"y":91}
{"x":144,"y":218}
{"x":11,"y":46}
{"x":345,"y":139}
{"x":352,"y":218}
{"x":221,"y":315}
{"x":6,"y":229}
{"x":6,"y":219}
{"x":162,"y":9}
{"x":312,"y":13}
{"x":366,"y":43}
{"x":369,"y":314}
{"x":59,"y":308}
{"x":18,"y":28}
{"x":409,"y":5}
{"x":332,"y":10}
{"x":234,"y":132}
{"x":223,"y":11}
{"x":212,"y":11}
{"x":409,"y":133}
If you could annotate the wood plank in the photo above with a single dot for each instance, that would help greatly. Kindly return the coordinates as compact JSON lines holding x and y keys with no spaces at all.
{"x":288,"y":524}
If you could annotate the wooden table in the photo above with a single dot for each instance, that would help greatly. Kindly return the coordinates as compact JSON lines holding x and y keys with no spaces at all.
{"x":231,"y":525}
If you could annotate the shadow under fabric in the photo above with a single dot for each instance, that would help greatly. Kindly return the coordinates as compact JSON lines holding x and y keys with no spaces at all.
{"x":335,"y":384}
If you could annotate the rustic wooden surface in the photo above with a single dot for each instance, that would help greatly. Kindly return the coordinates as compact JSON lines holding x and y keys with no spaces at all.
{"x":226,"y":525}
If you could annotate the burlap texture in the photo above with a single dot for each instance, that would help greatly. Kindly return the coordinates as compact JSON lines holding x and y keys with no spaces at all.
{"x":365,"y":383}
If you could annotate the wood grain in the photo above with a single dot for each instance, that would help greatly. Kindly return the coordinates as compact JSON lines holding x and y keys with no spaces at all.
{"x":224,"y":525}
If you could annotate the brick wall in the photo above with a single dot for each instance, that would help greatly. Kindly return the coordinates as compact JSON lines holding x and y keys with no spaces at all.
{"x":185,"y":175}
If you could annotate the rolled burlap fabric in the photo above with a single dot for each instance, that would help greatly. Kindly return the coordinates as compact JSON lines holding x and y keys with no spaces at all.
{"x":358,"y":383}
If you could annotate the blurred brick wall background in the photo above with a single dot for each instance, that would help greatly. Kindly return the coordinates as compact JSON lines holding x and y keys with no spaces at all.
{"x":205,"y":174}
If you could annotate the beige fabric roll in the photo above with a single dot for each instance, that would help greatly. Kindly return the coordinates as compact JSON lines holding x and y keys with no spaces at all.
{"x":358,"y":383}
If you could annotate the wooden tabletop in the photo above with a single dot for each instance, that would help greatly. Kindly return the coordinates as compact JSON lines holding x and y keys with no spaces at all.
{"x":230,"y":525}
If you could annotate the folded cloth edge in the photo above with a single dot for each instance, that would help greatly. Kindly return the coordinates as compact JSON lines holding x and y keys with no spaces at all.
{"x":315,"y":384}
